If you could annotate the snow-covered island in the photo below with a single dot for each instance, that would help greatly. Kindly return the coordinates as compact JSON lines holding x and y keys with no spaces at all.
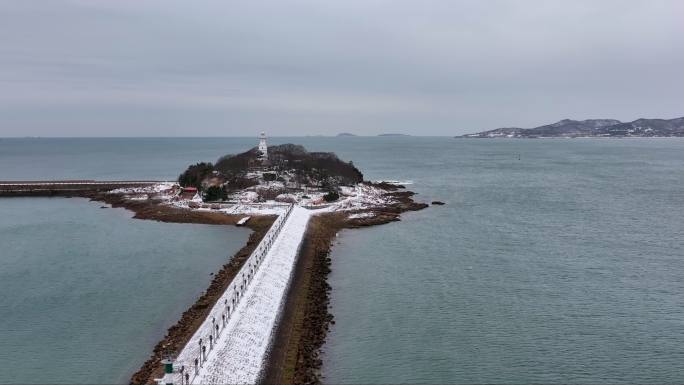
{"x":265,"y":315}
{"x":267,"y":179}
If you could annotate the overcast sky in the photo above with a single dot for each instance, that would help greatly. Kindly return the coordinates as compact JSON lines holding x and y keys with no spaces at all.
{"x":233,"y":68}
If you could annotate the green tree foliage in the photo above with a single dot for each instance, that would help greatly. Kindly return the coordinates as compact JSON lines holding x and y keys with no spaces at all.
{"x":215,"y":193}
{"x":316,"y":168}
{"x":195,"y":174}
{"x":331,"y":196}
{"x":269,"y":176}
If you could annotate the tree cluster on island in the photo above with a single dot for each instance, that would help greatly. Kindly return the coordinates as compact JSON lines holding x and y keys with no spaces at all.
{"x":288,"y":168}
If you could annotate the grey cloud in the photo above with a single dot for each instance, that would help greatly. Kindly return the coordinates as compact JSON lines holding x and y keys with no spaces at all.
{"x":111,"y":68}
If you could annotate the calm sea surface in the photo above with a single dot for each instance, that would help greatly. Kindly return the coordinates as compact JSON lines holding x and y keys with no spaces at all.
{"x":554,"y":261}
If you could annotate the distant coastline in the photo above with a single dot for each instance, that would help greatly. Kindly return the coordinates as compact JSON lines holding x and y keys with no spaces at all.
{"x":348,"y":134}
{"x":592,"y":128}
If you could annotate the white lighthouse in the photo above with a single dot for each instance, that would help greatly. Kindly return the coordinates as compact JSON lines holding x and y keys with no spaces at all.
{"x":262,"y":146}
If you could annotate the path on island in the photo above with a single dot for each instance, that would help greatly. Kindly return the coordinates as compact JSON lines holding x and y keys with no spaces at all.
{"x":238,"y":350}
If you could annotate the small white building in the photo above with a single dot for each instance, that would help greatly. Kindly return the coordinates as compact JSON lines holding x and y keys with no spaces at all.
{"x":263,"y":148}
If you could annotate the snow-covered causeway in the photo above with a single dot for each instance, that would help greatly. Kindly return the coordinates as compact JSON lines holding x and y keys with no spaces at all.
{"x":236,"y":350}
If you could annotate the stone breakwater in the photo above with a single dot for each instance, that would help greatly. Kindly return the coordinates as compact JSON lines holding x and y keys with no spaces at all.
{"x":238,"y":350}
{"x":294,"y":327}
{"x":60,"y":187}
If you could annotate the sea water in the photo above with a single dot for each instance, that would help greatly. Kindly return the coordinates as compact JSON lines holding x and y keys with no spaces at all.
{"x":553,"y":261}
{"x":86,"y":293}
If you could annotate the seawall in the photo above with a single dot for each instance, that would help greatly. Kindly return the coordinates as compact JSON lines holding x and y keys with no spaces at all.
{"x":232,"y":344}
{"x":57,"y":187}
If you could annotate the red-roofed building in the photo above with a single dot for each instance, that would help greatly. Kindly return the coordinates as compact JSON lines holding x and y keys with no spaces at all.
{"x":188,"y":192}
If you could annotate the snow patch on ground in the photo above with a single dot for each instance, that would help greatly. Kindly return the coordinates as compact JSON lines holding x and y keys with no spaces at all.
{"x":366,"y":214}
{"x":360,"y":197}
{"x":152,"y":189}
{"x":246,"y":202}
{"x":256,"y":209}
{"x":247,"y":196}
{"x":396,"y":182}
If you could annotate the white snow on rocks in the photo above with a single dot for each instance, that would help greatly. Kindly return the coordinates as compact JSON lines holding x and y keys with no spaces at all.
{"x":151,"y":189}
{"x":247,"y":202}
{"x":396,"y":182}
{"x":256,"y":209}
{"x":366,"y":214}
{"x":360,"y":197}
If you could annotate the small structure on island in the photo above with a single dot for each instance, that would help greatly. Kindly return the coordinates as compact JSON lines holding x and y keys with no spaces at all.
{"x":188,"y":192}
{"x":167,"y":362}
{"x":263,"y":148}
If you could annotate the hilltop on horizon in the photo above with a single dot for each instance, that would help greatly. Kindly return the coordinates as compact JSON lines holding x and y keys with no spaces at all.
{"x":568,"y":128}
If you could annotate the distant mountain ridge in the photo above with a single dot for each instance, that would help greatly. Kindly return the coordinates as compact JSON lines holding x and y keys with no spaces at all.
{"x":568,"y":128}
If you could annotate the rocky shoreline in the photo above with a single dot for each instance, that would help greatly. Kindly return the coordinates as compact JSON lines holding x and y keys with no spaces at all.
{"x":303,"y":327}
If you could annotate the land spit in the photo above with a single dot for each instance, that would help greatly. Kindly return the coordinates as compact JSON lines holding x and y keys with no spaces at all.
{"x":302,"y":327}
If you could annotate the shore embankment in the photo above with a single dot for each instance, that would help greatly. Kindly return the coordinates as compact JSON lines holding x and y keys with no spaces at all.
{"x":303,"y":328}
{"x":49,"y":188}
{"x":304,"y":322}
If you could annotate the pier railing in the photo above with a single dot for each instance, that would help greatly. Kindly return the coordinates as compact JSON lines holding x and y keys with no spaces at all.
{"x":202,"y":343}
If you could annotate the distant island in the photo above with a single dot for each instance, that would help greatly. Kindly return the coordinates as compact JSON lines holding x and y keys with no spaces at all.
{"x":347,"y":134}
{"x":591,"y":128}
